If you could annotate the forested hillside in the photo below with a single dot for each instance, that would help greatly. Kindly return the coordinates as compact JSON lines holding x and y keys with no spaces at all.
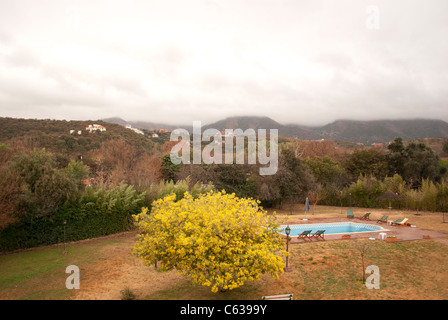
{"x":55,"y":135}
{"x":96,"y":181}
{"x":366,"y":132}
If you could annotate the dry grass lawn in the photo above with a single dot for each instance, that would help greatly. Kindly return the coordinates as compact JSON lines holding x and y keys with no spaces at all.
{"x":324,"y":270}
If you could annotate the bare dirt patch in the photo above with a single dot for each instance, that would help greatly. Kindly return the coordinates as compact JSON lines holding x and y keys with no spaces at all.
{"x":117,"y":269}
{"x":324,"y":270}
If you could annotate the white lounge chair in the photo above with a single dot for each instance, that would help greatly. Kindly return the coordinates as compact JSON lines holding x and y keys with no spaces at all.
{"x":400,"y":222}
{"x":278,"y":297}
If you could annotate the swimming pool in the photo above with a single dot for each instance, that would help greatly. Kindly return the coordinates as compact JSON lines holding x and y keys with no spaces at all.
{"x":331,"y":228}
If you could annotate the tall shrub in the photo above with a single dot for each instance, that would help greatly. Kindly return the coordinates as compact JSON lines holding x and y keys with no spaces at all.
{"x":442,"y":196}
{"x":219,"y":240}
{"x":97,"y":212}
{"x":413,"y":199}
{"x":365,"y":191}
{"x":43,"y":187}
{"x":429,"y":195}
{"x":165,"y":188}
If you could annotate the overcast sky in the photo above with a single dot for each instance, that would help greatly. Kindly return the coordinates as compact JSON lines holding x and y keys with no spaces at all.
{"x":296,"y":61}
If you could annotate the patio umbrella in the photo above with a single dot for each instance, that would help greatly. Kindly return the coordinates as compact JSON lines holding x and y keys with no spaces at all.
{"x":307,"y":207}
{"x":389,"y":195}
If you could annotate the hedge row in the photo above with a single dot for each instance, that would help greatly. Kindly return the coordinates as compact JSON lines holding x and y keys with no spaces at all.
{"x":97,"y":212}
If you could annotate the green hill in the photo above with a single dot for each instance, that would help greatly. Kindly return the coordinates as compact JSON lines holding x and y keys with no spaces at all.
{"x":57,"y":135}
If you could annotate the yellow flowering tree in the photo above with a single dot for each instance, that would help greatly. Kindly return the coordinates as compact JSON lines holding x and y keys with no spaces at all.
{"x":217,"y":239}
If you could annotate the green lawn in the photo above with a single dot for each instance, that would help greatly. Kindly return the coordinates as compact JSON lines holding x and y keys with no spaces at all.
{"x":40,"y":273}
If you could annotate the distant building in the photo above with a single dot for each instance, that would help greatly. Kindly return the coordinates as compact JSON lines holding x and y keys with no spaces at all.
{"x":138,"y":131}
{"x":73,"y":131}
{"x":155,"y":135}
{"x":95,"y":127}
{"x":128,"y":126}
{"x":86,"y":182}
{"x":378,"y":144}
{"x":163,"y":130}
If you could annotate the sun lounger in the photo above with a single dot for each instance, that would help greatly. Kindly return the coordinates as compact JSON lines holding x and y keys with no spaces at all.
{"x":365,"y":217}
{"x":278,"y":297}
{"x":383,"y":219}
{"x":400,"y":222}
{"x":319,"y":234}
{"x":305,"y":235}
{"x":350,"y":214}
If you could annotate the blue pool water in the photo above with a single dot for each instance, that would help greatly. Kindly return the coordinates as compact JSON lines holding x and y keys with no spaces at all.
{"x":331,"y":228}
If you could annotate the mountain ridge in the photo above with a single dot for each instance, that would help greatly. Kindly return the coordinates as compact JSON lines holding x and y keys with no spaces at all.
{"x":363,"y":131}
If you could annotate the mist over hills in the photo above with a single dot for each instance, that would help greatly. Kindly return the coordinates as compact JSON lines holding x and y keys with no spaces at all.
{"x":366,"y":132}
{"x":383,"y":130}
{"x":144,"y":124}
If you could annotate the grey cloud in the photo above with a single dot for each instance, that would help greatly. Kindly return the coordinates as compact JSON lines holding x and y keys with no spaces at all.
{"x":309,"y":62}
{"x":21,"y":57}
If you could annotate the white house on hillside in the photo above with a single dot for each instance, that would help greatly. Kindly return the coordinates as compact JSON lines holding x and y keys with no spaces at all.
{"x":128,"y":126}
{"x":95,"y":127}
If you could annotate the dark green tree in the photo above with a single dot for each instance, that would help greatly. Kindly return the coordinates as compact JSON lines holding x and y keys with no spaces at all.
{"x":293,"y":179}
{"x":414,"y":162}
{"x":395,"y":157}
{"x":367,"y":162}
{"x":234,"y":178}
{"x":169,"y":169}
{"x":326,"y":171}
{"x":445,"y":147}
{"x":421,"y":162}
{"x":43,"y":188}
